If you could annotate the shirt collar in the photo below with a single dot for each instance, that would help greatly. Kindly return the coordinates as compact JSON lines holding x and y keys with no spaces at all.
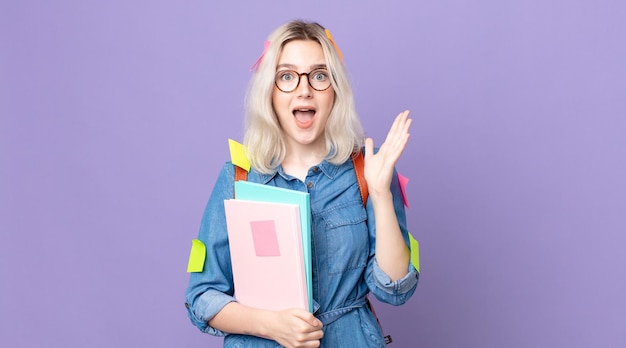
{"x":265,"y":178}
{"x":329,"y":169}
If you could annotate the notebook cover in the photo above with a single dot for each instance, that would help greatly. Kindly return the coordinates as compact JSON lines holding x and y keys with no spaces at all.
{"x":266,"y":254}
{"x":258,"y":192}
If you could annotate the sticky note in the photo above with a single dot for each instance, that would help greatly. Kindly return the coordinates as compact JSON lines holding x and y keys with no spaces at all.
{"x":196,"y":256}
{"x":330,"y":37}
{"x":403,"y":181}
{"x":238,"y":155}
{"x":266,"y":45}
{"x":264,"y":238}
{"x":415,"y":252}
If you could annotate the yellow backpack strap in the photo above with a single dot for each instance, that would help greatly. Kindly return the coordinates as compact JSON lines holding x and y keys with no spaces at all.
{"x":358,"y":160}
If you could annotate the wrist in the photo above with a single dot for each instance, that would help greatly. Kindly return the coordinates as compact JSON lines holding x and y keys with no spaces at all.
{"x":380,"y":194}
{"x":265,"y":319}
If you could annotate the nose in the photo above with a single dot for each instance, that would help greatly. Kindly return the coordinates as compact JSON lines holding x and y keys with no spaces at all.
{"x":303,"y":89}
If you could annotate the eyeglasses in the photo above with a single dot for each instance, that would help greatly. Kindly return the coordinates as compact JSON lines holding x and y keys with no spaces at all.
{"x":288,"y":80}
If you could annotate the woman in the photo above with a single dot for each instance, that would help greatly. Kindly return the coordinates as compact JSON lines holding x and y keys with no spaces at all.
{"x":301,"y":133}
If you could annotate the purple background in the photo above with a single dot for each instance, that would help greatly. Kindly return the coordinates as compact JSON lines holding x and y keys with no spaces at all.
{"x":114,"y":124}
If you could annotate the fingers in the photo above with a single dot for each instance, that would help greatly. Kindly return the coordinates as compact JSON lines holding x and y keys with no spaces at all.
{"x":398,"y":136}
{"x":311,"y":331}
{"x":399,"y":122}
{"x":390,"y":151}
{"x":297,"y":328}
{"x":308,"y":318}
{"x":369,"y":147}
{"x":400,"y":128}
{"x":402,"y":132}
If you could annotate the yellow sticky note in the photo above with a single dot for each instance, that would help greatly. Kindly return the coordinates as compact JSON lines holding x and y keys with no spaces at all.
{"x":415,"y":252}
{"x":238,"y":155}
{"x":196,"y":256}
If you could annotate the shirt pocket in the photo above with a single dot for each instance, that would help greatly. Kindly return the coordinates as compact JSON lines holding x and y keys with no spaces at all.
{"x":347,"y":237}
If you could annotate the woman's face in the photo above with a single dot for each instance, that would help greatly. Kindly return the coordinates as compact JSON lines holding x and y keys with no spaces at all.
{"x":303,"y":112}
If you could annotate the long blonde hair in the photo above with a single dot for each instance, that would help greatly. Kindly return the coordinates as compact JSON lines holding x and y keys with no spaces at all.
{"x":263,"y":136}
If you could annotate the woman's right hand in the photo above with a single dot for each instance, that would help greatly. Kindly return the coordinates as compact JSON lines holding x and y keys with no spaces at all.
{"x":295,"y":328}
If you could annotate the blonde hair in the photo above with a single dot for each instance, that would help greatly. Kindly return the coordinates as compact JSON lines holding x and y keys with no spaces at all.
{"x":263,"y":136}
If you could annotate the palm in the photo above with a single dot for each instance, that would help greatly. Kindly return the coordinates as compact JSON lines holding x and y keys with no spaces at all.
{"x":379,"y":167}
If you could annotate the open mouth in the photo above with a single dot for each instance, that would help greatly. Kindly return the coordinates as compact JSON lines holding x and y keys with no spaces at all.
{"x":304,"y":117}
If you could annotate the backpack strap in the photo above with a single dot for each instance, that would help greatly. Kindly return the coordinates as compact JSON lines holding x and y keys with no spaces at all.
{"x":240,"y":174}
{"x":358,"y":160}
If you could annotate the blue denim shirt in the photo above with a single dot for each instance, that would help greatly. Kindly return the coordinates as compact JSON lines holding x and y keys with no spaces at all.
{"x":344,"y":267}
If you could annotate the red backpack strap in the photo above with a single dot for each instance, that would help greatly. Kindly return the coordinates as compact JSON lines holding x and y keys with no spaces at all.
{"x":240,"y":174}
{"x":358,"y":160}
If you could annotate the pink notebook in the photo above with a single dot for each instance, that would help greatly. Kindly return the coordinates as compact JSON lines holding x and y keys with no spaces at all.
{"x":266,"y":254}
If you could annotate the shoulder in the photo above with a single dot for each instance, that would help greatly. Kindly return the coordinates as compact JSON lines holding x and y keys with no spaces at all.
{"x":229,"y":174}
{"x":228,"y":169}
{"x":225,"y":179}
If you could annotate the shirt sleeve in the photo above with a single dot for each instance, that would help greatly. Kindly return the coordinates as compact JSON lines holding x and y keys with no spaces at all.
{"x":210,"y":290}
{"x":393,"y":292}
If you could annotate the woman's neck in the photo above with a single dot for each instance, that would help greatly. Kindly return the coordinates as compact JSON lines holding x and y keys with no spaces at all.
{"x":297,"y":162}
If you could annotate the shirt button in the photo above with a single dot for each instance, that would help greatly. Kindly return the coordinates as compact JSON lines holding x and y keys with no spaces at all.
{"x":309,"y":184}
{"x":315,"y":169}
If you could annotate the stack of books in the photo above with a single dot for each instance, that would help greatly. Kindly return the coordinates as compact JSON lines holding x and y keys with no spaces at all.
{"x":269,"y":233}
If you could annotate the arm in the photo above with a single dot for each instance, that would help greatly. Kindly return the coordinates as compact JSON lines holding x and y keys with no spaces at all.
{"x":209,"y":296}
{"x":392,"y":253}
{"x":291,"y":328}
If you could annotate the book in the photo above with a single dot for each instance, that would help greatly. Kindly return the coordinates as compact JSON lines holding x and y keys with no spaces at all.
{"x":265,"y":193}
{"x":266,"y":254}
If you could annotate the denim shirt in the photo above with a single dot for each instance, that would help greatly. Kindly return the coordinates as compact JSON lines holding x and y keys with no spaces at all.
{"x":344,"y":267}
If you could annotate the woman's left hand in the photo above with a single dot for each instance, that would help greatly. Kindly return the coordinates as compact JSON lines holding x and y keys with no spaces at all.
{"x":379,"y":167}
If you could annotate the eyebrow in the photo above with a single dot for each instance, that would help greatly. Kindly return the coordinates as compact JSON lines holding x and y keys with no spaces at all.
{"x":291,"y":66}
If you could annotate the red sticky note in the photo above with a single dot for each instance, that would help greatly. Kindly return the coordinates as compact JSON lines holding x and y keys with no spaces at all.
{"x":264,"y":238}
{"x":403,"y":181}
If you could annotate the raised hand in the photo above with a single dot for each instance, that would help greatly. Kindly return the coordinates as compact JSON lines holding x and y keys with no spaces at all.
{"x":379,"y":166}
